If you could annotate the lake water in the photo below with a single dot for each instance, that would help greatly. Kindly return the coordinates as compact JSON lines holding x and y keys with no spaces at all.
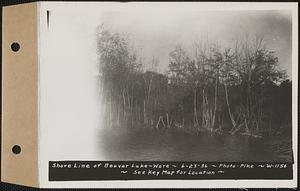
{"x":173,"y":145}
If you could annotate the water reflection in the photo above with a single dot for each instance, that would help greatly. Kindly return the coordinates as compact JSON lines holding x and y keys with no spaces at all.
{"x":172,"y":145}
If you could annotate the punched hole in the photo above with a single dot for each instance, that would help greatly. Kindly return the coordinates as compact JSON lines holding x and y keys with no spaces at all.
{"x":15,"y":46}
{"x":16,"y":149}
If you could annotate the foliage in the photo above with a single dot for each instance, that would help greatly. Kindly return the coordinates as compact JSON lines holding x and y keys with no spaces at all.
{"x":237,"y":89}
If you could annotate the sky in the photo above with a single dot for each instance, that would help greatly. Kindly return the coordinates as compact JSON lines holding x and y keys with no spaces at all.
{"x":155,"y":33}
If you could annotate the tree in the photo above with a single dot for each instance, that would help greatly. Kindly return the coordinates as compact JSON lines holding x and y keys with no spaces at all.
{"x":232,"y":86}
{"x":118,"y":68}
{"x":253,"y":66}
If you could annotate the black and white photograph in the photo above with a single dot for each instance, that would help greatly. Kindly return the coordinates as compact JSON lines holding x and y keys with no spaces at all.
{"x":179,"y":82}
{"x":202,"y":86}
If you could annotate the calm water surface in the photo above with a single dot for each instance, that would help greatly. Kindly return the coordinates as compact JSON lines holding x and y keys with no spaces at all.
{"x":156,"y":145}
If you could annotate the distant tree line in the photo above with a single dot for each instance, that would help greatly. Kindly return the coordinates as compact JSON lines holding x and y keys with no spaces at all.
{"x":208,"y":88}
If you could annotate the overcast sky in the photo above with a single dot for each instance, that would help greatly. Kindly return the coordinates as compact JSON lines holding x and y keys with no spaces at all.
{"x":157,"y":32}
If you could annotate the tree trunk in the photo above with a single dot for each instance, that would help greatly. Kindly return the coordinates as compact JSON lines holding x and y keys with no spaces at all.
{"x":203,"y":109}
{"x":246,"y":127}
{"x":168,"y":122}
{"x":145,"y":115}
{"x":216,"y":98}
{"x":196,"y":123}
{"x":110,"y":113}
{"x":228,"y":106}
{"x":124,"y":106}
{"x":149,"y":88}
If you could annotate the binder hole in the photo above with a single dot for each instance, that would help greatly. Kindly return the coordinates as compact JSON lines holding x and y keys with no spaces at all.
{"x":16,"y":149}
{"x":15,"y":46}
